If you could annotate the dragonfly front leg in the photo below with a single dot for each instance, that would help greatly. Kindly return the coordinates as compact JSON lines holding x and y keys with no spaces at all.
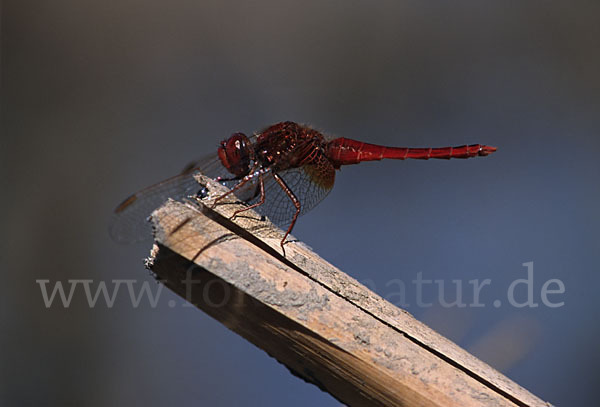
{"x":237,"y":186}
{"x":296,"y":203}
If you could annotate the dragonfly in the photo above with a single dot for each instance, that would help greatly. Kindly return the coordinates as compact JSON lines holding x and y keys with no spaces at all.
{"x":281,"y":172}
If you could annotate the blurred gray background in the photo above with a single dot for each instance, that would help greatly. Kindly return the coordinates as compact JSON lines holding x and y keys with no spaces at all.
{"x":102,"y":98}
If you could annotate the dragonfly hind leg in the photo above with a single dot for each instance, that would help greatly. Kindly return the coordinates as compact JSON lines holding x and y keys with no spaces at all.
{"x":296,"y":203}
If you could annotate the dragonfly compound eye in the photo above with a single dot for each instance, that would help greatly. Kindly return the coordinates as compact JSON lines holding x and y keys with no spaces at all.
{"x":234,"y":154}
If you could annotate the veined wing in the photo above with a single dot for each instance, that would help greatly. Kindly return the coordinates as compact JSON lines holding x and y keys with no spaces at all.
{"x":129,"y":222}
{"x":309,"y":183}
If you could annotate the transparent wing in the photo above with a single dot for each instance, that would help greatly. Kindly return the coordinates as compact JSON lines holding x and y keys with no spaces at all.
{"x":310,"y":184}
{"x":129,"y":221}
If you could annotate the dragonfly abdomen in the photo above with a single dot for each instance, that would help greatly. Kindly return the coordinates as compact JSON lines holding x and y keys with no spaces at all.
{"x":343,"y":151}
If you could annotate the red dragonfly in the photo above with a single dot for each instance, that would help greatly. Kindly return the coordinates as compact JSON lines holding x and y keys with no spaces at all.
{"x":281,"y":172}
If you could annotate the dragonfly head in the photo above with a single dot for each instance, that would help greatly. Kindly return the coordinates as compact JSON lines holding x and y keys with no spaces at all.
{"x":235,"y":154}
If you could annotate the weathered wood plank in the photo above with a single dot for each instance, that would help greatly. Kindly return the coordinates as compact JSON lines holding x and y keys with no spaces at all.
{"x":323,"y":325}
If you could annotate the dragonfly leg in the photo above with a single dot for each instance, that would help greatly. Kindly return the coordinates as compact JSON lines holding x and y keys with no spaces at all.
{"x":261,"y":185}
{"x":296,"y":203}
{"x":236,"y":187}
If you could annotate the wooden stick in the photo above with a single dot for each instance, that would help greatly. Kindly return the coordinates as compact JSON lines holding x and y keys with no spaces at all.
{"x":323,"y":325}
